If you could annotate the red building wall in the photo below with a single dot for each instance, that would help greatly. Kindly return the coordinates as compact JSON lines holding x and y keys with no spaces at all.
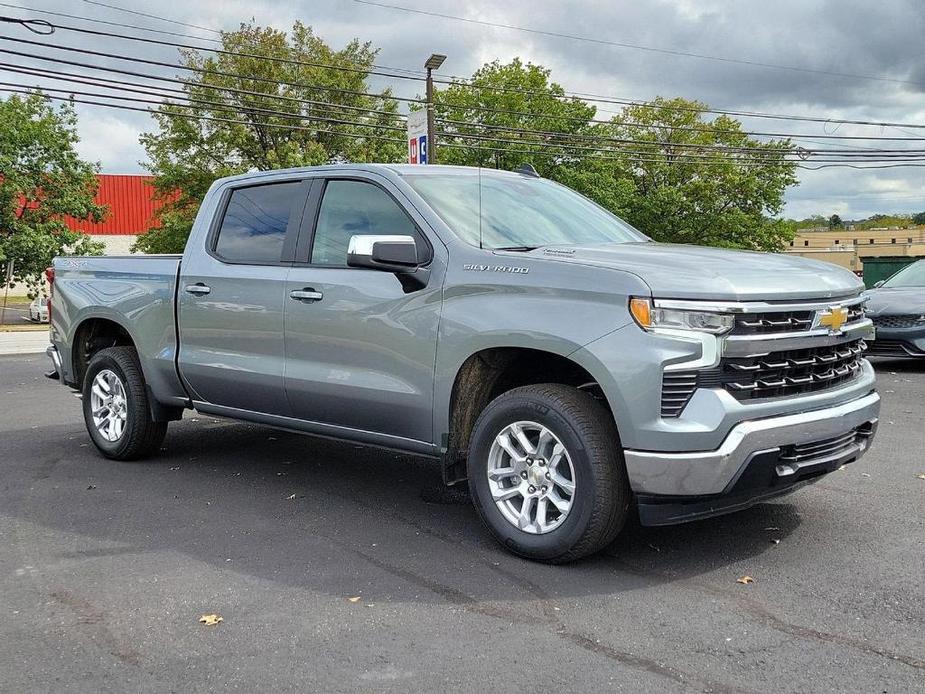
{"x":131,"y":204}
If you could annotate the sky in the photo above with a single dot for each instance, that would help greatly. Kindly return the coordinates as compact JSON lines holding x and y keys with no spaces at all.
{"x":875,"y":47}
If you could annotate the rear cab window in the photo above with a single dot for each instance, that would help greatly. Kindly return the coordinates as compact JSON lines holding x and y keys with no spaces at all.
{"x":253,"y":228}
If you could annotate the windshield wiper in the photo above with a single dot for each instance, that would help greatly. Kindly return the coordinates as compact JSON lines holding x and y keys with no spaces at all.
{"x":522,"y":249}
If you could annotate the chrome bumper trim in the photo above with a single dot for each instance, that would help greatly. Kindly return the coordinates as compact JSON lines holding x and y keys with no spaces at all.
{"x":711,"y":472}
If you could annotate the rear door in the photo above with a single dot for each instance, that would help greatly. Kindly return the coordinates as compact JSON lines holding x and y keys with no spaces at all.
{"x":360,"y":355}
{"x":231,"y":299}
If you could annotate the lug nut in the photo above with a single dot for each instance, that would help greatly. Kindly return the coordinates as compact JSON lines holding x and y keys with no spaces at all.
{"x":548,"y":476}
{"x":543,"y":489}
{"x":531,"y":489}
{"x":542,"y":463}
{"x":524,"y":474}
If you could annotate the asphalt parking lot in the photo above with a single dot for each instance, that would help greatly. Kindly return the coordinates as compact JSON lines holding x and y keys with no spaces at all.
{"x":340,"y":568}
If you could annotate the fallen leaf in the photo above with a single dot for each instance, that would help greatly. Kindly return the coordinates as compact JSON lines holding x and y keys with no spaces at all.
{"x":865,"y":474}
{"x":210,"y":620}
{"x":775,"y":541}
{"x":290,"y":497}
{"x":354,"y":599}
{"x":772,"y":528}
{"x":745,"y":580}
{"x":921,"y":477}
{"x":92,"y":486}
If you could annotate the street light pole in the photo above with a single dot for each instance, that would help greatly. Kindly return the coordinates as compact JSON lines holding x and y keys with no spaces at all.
{"x":432,"y":63}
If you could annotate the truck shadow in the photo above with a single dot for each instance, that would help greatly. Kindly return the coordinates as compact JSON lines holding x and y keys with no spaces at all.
{"x":313,"y":513}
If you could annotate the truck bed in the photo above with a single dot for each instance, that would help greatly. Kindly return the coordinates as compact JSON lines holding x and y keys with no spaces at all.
{"x":137,"y":292}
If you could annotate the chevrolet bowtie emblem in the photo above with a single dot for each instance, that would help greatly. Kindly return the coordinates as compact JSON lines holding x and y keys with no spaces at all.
{"x":833,"y":318}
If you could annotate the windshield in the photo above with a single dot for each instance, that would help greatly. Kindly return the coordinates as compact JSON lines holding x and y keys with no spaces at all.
{"x":518,"y":212}
{"x":910,"y":276}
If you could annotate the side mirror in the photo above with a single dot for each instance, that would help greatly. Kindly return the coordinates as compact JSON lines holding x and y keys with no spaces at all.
{"x":388,"y":253}
{"x":397,"y":254}
{"x":878,"y":283}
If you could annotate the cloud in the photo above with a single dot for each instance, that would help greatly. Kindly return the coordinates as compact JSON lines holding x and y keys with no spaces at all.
{"x":853,"y":37}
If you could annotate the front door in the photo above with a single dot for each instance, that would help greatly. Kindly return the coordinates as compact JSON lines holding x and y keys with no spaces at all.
{"x":232,"y":296}
{"x":360,"y":347}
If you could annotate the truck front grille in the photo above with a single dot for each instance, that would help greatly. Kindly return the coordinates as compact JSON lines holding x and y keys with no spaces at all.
{"x":899,"y":321}
{"x":784,"y":321}
{"x":775,"y":374}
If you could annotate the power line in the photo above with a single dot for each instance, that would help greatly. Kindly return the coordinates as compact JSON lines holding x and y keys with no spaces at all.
{"x":225,"y":107}
{"x":681,"y":159}
{"x":218,"y":106}
{"x":352,"y":67}
{"x":119,"y":84}
{"x":219,"y":73}
{"x":107,"y":23}
{"x":553,"y":134}
{"x":639,"y":47}
{"x":151,"y":16}
{"x":191,"y":116}
{"x":376,"y":70}
{"x":476,"y":108}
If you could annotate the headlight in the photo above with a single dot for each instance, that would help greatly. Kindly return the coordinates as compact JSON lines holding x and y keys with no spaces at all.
{"x":651,"y":317}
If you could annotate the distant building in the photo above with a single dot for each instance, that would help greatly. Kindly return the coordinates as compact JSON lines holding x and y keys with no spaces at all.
{"x":131,"y":208}
{"x":848,"y":247}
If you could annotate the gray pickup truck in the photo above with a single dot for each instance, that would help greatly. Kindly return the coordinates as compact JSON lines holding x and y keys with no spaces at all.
{"x":572,"y":370}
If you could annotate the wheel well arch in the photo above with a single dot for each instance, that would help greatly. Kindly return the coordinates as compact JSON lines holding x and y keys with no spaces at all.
{"x":488,"y":373}
{"x":92,"y":335}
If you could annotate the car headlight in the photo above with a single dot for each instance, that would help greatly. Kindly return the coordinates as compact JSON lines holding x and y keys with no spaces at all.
{"x":650,"y":317}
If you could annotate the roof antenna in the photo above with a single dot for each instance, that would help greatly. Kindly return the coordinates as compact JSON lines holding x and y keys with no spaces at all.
{"x":528,"y":170}
{"x":480,"y":205}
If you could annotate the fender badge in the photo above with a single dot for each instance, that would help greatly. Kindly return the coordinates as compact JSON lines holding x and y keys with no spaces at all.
{"x":474,"y":267}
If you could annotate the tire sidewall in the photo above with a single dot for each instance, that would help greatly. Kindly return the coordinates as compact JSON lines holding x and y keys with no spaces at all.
{"x":556,"y":542}
{"x":112,"y":449}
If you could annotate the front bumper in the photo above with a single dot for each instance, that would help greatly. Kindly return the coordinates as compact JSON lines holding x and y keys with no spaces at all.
{"x":897,"y":342}
{"x":758,"y":459}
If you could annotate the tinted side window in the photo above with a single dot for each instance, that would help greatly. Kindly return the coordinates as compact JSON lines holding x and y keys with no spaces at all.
{"x":350,"y":208}
{"x":254,"y":226}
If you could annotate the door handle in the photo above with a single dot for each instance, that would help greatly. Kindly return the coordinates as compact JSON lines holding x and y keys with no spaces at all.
{"x":307,"y":294}
{"x":198,"y":288}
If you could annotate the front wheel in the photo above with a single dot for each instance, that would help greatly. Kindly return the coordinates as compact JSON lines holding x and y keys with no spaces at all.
{"x":115,"y":406}
{"x":546,"y":473}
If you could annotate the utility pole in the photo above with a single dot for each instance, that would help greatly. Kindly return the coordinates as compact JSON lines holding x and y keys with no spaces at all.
{"x":433,"y":63}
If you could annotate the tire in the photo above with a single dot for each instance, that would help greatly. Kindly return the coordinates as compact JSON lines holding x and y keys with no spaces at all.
{"x":593,"y":458}
{"x":138,"y":436}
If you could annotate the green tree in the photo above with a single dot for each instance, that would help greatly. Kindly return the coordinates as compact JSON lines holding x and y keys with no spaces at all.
{"x":918,"y":218}
{"x":698,"y":181}
{"x":289,"y":100}
{"x":527,"y":120}
{"x":835,"y":222}
{"x":41,"y":180}
{"x":662,"y":166}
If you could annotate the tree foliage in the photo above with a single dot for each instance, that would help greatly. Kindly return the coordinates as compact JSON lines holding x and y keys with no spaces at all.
{"x":42,"y":179}
{"x":657,"y":164}
{"x":532,"y":122}
{"x":289,"y":99}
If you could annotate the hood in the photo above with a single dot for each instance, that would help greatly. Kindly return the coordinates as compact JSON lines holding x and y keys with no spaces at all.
{"x":899,"y":301}
{"x":702,"y":272}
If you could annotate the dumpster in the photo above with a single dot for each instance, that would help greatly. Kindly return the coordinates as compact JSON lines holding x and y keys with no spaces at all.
{"x":884,"y":267}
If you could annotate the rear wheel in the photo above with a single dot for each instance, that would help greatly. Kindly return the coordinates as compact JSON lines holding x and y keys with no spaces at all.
{"x":546,"y":473}
{"x":116,"y":408}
